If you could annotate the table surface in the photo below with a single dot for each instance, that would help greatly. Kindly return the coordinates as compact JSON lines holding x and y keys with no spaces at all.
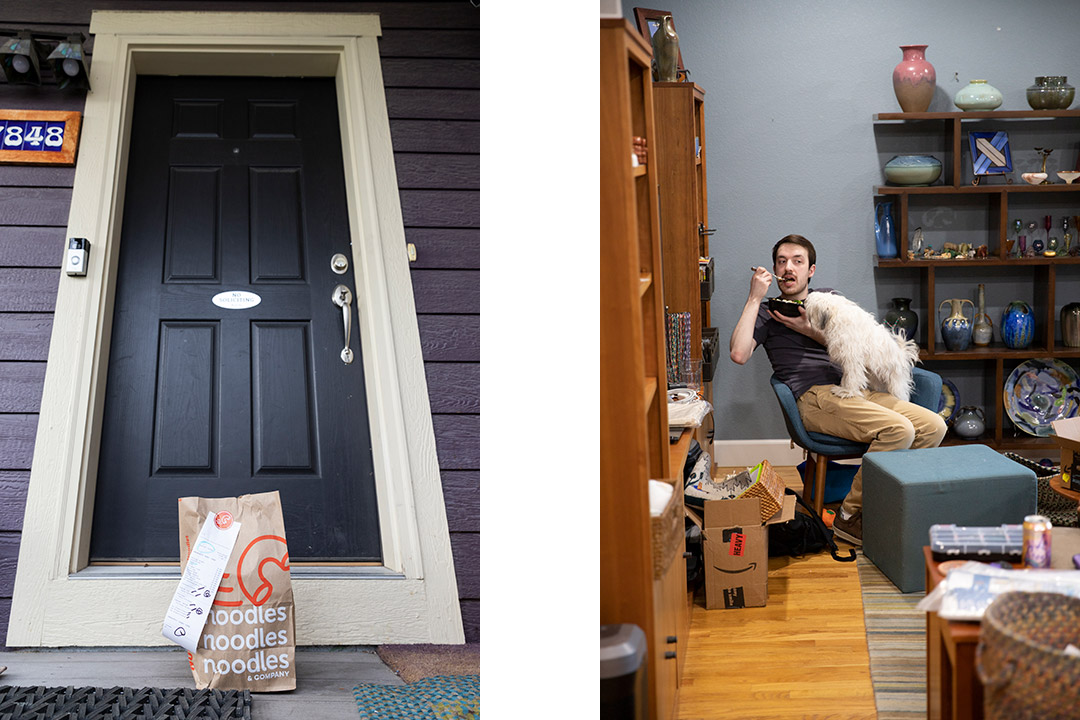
{"x":1058,"y":486}
{"x":953,"y":689}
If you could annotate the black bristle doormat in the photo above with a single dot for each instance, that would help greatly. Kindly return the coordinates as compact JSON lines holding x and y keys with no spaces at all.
{"x":122,"y":703}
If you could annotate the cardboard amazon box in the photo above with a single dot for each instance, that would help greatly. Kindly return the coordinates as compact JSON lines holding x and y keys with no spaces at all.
{"x":1067,"y":435}
{"x":737,"y":551}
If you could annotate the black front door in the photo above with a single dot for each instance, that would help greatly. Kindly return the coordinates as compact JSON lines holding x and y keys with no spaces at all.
{"x":226,"y":373}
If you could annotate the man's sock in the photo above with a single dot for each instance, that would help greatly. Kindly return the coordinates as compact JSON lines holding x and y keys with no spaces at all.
{"x":845,"y":514}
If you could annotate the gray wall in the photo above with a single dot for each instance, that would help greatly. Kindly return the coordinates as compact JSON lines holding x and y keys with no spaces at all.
{"x":790,"y":92}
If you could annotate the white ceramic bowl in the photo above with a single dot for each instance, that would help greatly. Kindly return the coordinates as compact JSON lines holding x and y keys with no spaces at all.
{"x":1068,"y":175}
{"x":913,"y":169}
{"x":1033,"y":178}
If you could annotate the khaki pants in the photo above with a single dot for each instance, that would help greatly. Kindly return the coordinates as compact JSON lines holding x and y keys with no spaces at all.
{"x":877,"y":418}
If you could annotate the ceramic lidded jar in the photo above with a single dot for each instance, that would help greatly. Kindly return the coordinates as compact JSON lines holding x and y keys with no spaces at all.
{"x":1051,"y":92}
{"x":914,"y":79}
{"x":912,"y":170}
{"x":978,"y":95}
{"x":1017,"y":325}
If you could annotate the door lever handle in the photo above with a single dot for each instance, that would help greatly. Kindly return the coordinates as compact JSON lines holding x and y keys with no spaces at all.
{"x":342,"y":297}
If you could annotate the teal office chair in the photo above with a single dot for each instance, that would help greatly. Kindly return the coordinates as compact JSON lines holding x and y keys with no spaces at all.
{"x":820,"y":448}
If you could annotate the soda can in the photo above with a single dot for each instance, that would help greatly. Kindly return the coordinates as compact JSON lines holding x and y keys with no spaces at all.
{"x":1037,"y":541}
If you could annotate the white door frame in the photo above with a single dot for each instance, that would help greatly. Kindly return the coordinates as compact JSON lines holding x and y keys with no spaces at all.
{"x":60,"y":601}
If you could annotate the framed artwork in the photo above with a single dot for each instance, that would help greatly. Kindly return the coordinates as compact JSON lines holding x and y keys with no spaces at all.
{"x":648,"y":22}
{"x":39,"y":137}
{"x":990,"y":154}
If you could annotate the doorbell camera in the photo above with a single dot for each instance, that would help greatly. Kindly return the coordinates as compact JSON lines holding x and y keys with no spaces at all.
{"x":78,"y":253}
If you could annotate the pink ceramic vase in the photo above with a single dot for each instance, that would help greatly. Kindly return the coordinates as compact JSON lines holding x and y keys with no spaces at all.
{"x":914,"y":79}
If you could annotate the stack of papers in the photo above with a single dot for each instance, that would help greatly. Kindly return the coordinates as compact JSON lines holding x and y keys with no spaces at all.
{"x":968,"y":590}
{"x":688,"y":414}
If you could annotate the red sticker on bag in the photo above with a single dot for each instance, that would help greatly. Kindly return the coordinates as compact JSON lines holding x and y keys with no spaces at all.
{"x":738,"y":541}
{"x":224,"y":519}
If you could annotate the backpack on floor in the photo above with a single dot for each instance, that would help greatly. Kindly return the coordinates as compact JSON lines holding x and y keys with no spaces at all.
{"x":803,"y":535}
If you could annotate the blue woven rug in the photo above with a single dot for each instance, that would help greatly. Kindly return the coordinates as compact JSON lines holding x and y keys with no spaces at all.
{"x":445,"y":697}
{"x":896,"y":638}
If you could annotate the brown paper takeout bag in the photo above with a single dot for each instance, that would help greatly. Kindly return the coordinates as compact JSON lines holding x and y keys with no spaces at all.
{"x":249,"y":640}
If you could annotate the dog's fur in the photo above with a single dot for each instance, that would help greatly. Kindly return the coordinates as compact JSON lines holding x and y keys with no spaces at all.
{"x":869,"y":354}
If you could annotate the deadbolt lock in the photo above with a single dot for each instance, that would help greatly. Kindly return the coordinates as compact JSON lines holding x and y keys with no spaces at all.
{"x":339,"y":264}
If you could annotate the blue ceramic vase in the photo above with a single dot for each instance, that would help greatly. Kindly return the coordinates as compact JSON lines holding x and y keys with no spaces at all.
{"x":884,"y":233}
{"x":1017,"y":325}
{"x":956,"y":328}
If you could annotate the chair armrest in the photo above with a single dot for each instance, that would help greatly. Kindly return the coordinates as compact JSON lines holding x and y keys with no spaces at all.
{"x":927,"y":392}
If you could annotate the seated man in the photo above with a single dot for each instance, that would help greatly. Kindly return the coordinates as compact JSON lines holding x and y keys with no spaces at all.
{"x":799,"y":358}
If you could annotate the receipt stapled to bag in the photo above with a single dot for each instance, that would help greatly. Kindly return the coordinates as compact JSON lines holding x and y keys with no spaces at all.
{"x":205,"y":567}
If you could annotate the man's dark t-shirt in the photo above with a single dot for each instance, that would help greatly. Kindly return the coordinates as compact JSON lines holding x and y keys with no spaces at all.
{"x":800,"y":362}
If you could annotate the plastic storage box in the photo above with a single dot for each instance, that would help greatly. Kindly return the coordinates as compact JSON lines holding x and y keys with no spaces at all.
{"x":982,"y":543}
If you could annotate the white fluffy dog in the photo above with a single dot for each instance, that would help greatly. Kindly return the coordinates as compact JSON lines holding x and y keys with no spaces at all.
{"x":870,"y":354}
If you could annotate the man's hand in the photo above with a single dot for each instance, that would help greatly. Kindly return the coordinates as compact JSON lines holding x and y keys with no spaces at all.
{"x":742,"y":337}
{"x":799,"y":324}
{"x":760,"y":283}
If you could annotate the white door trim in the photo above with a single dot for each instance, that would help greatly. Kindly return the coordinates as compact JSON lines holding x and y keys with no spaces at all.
{"x":414,"y":598}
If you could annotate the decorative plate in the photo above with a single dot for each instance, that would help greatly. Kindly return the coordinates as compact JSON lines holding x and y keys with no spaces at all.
{"x":949,"y":401}
{"x":680,"y":395}
{"x":1040,"y":391}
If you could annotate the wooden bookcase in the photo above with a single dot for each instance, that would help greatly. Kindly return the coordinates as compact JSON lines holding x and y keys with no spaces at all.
{"x":679,"y":147}
{"x":944,"y":134}
{"x":634,"y":445}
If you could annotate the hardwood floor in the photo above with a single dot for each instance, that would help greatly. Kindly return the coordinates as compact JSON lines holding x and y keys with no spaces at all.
{"x":803,"y":655}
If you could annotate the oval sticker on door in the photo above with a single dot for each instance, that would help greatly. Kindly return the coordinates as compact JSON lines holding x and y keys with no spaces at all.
{"x":236,"y":300}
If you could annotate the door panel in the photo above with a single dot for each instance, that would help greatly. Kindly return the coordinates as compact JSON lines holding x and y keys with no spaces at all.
{"x":185,"y":432}
{"x":276,"y":231}
{"x":283,"y":429}
{"x":234,"y":184}
{"x":191,"y":235}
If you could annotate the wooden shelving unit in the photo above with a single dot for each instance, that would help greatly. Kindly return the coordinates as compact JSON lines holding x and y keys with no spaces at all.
{"x":680,"y":151}
{"x":634,"y":445}
{"x":997,"y":194}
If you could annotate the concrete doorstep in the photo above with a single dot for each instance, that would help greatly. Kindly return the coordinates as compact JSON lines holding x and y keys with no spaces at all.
{"x":324,"y":680}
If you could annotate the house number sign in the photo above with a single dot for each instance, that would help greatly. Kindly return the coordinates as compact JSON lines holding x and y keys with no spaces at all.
{"x":32,"y":137}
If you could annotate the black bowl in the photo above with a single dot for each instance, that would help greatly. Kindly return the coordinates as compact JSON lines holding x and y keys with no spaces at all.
{"x":785,"y":307}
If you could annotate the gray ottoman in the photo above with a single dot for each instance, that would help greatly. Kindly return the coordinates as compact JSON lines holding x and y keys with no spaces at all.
{"x":907,"y":491}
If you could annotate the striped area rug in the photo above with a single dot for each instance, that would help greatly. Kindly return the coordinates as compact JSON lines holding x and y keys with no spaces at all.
{"x":896,"y":637}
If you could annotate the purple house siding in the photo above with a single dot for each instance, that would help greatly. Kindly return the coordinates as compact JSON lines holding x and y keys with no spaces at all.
{"x":431,"y":69}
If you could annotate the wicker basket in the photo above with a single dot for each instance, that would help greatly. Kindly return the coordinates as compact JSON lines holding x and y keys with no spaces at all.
{"x":668,"y":531}
{"x":760,"y":481}
{"x":1020,"y":657}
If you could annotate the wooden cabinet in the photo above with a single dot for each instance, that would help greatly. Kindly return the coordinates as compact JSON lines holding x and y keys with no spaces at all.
{"x":990,"y":206}
{"x":669,"y":650}
{"x":633,"y":409}
{"x":679,"y":149}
